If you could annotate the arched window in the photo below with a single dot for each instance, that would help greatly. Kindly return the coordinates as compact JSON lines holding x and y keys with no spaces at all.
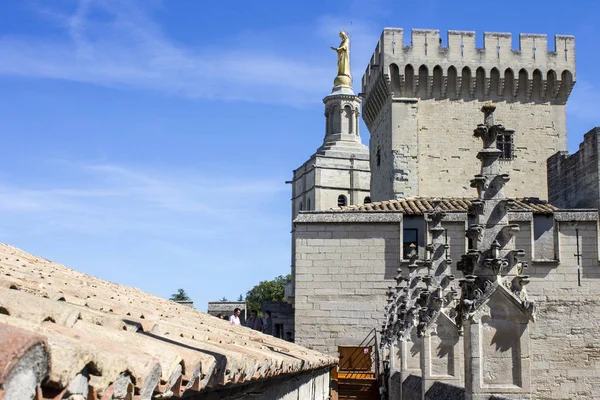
{"x":423,"y":81}
{"x":465,"y":85}
{"x":308,"y":205}
{"x":480,"y":83}
{"x":566,"y":83}
{"x":300,"y":208}
{"x":342,"y":200}
{"x":335,"y":117}
{"x":327,"y":121}
{"x":451,"y":82}
{"x":367,"y":200}
{"x":536,"y":92}
{"x":347,"y":119}
{"x":395,"y":78}
{"x":494,"y":82}
{"x":523,"y":82}
{"x":551,"y":85}
{"x":409,"y":77}
{"x":437,"y":82}
{"x":509,"y":84}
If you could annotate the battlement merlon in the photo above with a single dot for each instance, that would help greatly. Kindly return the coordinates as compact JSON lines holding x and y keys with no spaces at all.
{"x":461,"y":51}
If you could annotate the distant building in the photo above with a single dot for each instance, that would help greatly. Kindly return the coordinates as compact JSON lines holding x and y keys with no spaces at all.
{"x":187,"y":303}
{"x":226,"y":308}
{"x":337,"y":174}
{"x":574,"y":179}
{"x":282,"y":315}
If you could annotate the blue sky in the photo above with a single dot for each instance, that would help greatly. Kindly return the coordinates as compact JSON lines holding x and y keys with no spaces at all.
{"x":148,"y":142}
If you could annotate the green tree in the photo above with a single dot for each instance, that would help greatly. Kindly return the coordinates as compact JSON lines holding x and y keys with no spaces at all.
{"x":223,"y":299}
{"x":181,"y":295}
{"x":241,"y":298}
{"x":266,"y":291}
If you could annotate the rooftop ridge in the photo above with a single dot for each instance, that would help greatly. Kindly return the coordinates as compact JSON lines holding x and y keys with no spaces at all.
{"x":52,"y":312}
{"x":419,"y":205}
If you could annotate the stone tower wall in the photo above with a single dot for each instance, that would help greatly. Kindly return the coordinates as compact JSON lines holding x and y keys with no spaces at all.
{"x":446,"y":150}
{"x":573,"y":179}
{"x":319,"y":182}
{"x":381,"y":160}
{"x":432,"y":92}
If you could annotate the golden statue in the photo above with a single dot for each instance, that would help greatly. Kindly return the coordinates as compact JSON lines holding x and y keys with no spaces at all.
{"x":343,"y":77}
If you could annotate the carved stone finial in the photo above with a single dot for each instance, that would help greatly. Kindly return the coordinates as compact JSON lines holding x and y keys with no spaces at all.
{"x":488,"y":112}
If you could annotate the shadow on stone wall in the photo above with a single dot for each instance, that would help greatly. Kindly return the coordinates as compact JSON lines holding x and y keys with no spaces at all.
{"x":411,"y":390}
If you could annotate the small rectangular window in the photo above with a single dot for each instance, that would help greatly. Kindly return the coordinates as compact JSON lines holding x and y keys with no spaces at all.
{"x":505,"y":143}
{"x":409,"y":242}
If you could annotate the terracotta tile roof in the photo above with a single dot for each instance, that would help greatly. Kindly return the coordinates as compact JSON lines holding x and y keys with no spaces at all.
{"x":83,"y":337}
{"x":419,"y":205}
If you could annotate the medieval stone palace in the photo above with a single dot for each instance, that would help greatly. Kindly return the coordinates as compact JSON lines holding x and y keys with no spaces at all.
{"x":435,"y":242}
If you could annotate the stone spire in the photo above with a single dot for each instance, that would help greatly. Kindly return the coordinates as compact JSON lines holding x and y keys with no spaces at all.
{"x":342,"y":108}
{"x":424,"y":297}
{"x":338,"y":173}
{"x":490,"y":262}
{"x":493,"y":301}
{"x":342,"y":111}
{"x":342,"y":121}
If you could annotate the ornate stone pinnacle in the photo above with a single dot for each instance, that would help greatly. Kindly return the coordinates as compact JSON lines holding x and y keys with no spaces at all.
{"x":488,"y":106}
{"x":488,"y":111}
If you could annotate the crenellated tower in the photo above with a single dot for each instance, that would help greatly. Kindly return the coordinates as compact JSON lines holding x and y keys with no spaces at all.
{"x":418,"y":98}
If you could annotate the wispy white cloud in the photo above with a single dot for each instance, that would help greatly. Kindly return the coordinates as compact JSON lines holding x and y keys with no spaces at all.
{"x":129,"y":50}
{"x":122,"y":221}
{"x":112,"y":198}
{"x":157,"y":228}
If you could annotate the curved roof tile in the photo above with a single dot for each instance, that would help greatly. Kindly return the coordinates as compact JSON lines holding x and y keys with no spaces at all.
{"x":106,"y":340}
{"x":420,"y":205}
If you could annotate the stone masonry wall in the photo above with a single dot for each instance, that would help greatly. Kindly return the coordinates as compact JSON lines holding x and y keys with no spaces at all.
{"x":447,"y":151}
{"x":318,"y":183}
{"x":310,"y":385}
{"x":573,"y":179}
{"x":426,"y":142}
{"x":380,"y":156}
{"x":342,"y":272}
{"x":565,"y":338}
{"x":344,"y":269}
{"x":405,"y":148}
